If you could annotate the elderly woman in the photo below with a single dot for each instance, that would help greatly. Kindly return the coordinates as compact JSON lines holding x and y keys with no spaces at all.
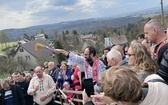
{"x":121,"y":86}
{"x":64,"y":74}
{"x":140,"y":60}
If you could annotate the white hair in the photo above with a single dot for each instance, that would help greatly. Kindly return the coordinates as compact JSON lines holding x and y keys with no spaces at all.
{"x":52,"y":63}
{"x":114,"y":54}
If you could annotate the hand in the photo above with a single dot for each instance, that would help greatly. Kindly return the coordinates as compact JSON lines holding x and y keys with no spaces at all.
{"x":64,"y":97}
{"x":63,"y":72}
{"x":65,"y":77}
{"x":72,"y":78}
{"x":36,"y":88}
{"x":101,"y":99}
{"x":43,"y":97}
{"x":60,"y":73}
{"x":85,"y":97}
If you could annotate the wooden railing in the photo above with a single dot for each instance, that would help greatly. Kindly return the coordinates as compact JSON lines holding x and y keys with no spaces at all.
{"x":61,"y":94}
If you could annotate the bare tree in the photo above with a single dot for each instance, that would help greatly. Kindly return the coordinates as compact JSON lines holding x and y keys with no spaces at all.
{"x":4,"y":38}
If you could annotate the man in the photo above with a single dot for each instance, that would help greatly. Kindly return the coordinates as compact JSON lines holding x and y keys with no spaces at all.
{"x":140,"y":37}
{"x":11,"y":94}
{"x":154,"y":31}
{"x":28,"y":76}
{"x":23,"y":83}
{"x":118,"y":48}
{"x":114,"y":58}
{"x":104,"y":56}
{"x":53,"y":71}
{"x":31,"y":71}
{"x":14,"y":77}
{"x":45,"y":65}
{"x":42,"y":87}
{"x":90,"y":63}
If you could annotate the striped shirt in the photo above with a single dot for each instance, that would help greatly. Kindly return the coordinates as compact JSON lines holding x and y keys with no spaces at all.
{"x":9,"y":97}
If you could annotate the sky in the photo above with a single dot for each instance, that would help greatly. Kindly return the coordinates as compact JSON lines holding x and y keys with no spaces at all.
{"x":25,"y":13}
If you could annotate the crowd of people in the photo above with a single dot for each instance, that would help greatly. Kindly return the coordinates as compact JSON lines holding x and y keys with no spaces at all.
{"x":131,"y":75}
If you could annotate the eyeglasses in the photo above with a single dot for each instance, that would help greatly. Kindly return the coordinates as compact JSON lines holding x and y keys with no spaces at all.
{"x":130,"y":54}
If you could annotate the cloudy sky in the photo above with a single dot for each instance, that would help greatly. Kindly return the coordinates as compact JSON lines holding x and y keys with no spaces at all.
{"x":25,"y":13}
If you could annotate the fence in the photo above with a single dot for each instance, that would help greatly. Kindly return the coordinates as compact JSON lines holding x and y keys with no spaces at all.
{"x":60,"y":97}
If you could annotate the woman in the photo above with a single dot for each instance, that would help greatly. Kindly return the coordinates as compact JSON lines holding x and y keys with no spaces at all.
{"x":121,"y":86}
{"x":140,"y":60}
{"x":64,"y":74}
{"x":76,"y":78}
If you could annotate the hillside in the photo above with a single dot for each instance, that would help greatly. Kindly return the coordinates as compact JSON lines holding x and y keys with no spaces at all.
{"x":82,"y":26}
{"x":86,"y":25}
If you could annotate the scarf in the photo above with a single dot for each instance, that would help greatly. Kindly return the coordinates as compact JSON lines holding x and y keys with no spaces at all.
{"x":94,"y":69}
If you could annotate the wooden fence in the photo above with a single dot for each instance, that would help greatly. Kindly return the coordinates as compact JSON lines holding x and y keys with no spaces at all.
{"x":60,"y":94}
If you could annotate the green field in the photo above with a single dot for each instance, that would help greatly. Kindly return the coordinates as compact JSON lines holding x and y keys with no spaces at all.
{"x":4,"y":75}
{"x":10,"y":44}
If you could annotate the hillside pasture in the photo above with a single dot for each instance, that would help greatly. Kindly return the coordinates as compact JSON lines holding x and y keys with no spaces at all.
{"x":2,"y":47}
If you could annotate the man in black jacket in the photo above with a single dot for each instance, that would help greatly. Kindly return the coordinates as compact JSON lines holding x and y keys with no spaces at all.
{"x":24,"y":84}
{"x":154,"y":32}
{"x":11,"y":94}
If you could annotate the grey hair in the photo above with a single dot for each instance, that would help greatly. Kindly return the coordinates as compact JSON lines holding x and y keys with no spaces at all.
{"x":52,"y":63}
{"x":114,"y":54}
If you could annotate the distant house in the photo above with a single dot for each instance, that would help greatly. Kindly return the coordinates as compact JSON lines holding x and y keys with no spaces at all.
{"x":40,"y":36}
{"x":50,"y":42}
{"x":23,"y":41}
{"x":117,"y":40}
{"x":87,"y":37}
{"x":27,"y":56}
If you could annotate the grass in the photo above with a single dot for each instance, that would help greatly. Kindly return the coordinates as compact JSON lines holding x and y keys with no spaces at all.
{"x":10,"y":44}
{"x":4,"y":75}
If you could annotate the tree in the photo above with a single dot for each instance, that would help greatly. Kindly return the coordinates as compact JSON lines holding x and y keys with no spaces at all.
{"x":11,"y":53}
{"x":42,"y":32}
{"x":63,"y":33}
{"x":66,"y":32}
{"x":90,"y":32}
{"x":46,"y":36}
{"x":60,"y":57}
{"x":22,"y":64}
{"x":56,"y":34}
{"x":4,"y":38}
{"x":74,"y":32}
{"x":76,"y":42}
{"x":32,"y":37}
{"x":104,"y":35}
{"x":64,"y":38}
{"x":8,"y":65}
{"x":26,"y":36}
